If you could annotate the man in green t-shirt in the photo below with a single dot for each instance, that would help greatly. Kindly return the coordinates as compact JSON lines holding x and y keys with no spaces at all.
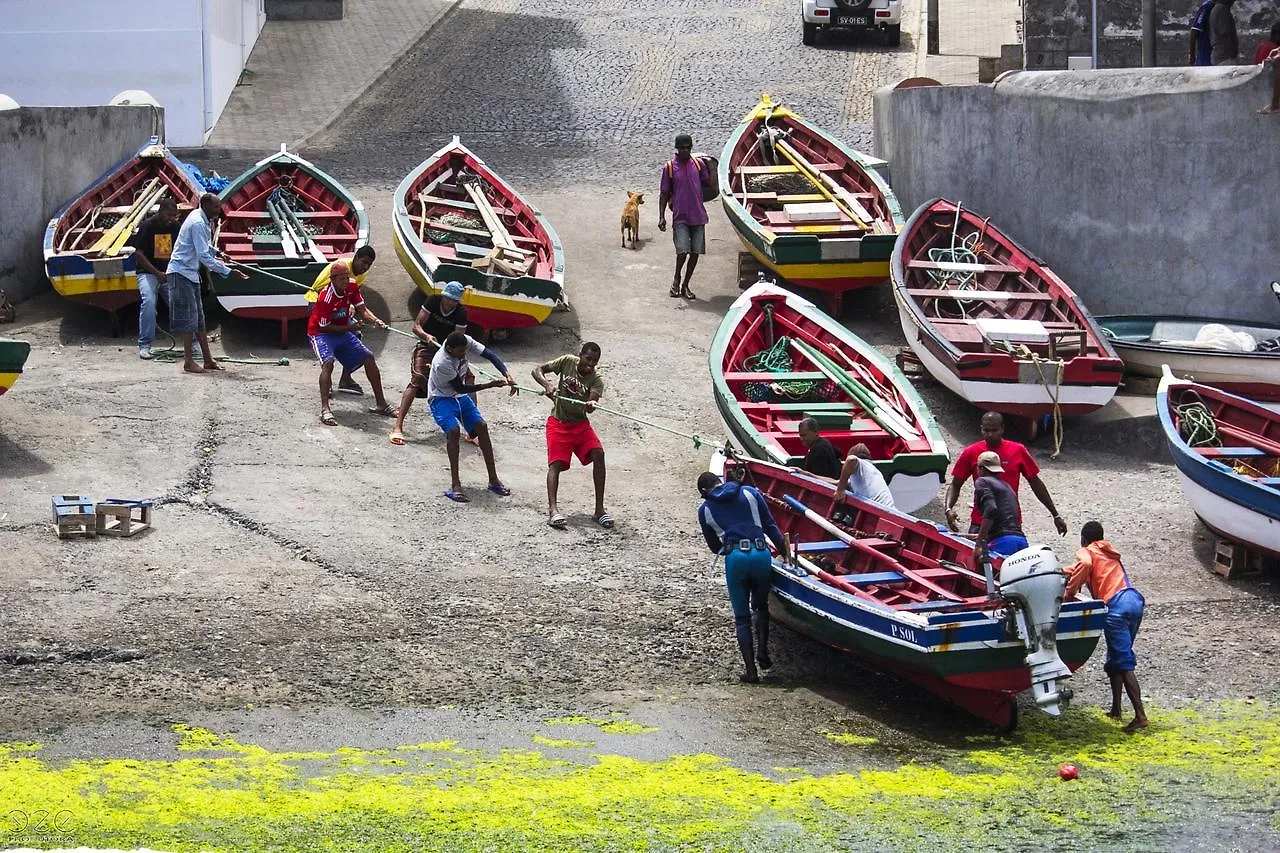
{"x":569,"y":433}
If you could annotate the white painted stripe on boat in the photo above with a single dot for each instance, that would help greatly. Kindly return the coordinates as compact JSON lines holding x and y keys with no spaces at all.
{"x":980,"y":391}
{"x":274,"y":300}
{"x":1231,"y":518}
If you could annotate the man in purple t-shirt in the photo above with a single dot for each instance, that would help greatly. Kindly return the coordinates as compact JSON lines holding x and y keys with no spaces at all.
{"x":682,"y":181}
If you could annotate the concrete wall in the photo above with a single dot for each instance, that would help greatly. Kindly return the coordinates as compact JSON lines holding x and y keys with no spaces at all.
{"x":48,"y":155}
{"x":1147,"y":190}
{"x":1056,"y":29}
{"x":188,"y":54}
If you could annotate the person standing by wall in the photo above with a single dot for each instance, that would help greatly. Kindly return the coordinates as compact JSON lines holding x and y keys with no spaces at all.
{"x":152,"y":246}
{"x":683,"y":178}
{"x":1225,"y":45}
{"x":1200,"y":50}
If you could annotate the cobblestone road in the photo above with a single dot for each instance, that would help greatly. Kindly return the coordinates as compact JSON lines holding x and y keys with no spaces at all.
{"x":564,"y":89}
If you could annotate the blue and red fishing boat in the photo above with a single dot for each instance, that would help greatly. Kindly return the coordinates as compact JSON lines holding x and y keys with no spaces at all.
{"x":895,"y":592}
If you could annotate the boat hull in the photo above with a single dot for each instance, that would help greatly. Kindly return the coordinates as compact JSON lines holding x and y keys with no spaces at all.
{"x":912,"y":469}
{"x":1028,"y":396}
{"x":493,"y":301}
{"x":961,"y":647}
{"x":109,"y":283}
{"x":1244,"y":509}
{"x":802,"y":256}
{"x":338,"y":218}
{"x":1253,"y":375}
{"x":13,"y":356}
{"x":1014,"y":337}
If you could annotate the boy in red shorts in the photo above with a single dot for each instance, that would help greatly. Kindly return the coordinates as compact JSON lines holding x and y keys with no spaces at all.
{"x":569,"y":433}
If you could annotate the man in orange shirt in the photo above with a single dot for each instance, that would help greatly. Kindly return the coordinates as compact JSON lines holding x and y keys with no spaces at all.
{"x":1098,"y":564}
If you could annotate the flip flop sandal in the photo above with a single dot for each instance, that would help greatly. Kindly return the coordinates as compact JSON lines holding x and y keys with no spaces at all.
{"x":687,"y":294}
{"x":388,"y":410}
{"x":558,"y":521}
{"x":457,"y":497}
{"x":500,"y":490}
{"x":605,"y":521}
{"x":327,"y":418}
{"x":397,"y":438}
{"x":353,"y":388}
{"x":674,"y":293}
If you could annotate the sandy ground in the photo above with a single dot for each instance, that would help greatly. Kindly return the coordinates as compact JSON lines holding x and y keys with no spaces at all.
{"x":294,"y":564}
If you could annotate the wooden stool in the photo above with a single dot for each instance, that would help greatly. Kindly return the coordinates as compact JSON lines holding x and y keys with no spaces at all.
{"x":115,"y":517}
{"x":1231,"y":559}
{"x":74,"y":515}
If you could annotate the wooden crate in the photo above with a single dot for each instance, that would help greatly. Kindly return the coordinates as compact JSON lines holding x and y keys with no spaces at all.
{"x":118,"y":517}
{"x":74,"y":516}
{"x":749,"y":270}
{"x":1231,"y":559}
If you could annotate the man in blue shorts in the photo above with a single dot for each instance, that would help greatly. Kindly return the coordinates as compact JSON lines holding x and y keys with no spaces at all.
{"x":735,"y":520}
{"x":332,"y":328}
{"x":454,"y":411}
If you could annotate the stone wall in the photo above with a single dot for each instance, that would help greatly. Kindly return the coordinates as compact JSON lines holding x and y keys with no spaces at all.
{"x":1056,"y":29}
{"x":1147,"y":190}
{"x":48,"y":156}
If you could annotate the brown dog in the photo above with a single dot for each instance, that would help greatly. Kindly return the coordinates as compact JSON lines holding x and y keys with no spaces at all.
{"x":631,"y":218}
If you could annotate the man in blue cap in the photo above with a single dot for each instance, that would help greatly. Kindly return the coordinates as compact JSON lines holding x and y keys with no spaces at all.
{"x":735,"y":520}
{"x":441,"y":315}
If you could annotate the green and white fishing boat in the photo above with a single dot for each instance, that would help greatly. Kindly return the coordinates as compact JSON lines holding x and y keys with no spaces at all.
{"x":778,"y":359}
{"x":290,"y":219}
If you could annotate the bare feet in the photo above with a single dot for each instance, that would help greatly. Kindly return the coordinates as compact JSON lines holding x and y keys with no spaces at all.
{"x":213,"y":365}
{"x":1135,"y":724}
{"x":192,"y":367}
{"x":1114,"y":713}
{"x":1269,"y":110}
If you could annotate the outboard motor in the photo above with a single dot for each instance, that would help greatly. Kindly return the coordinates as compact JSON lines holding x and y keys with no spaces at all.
{"x":1032,"y":582}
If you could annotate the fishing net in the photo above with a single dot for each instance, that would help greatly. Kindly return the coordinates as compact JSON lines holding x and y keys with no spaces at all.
{"x":777,"y":359}
{"x":784,"y":184}
{"x":458,"y":220}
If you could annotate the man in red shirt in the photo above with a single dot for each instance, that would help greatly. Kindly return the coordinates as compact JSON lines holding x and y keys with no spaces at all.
{"x":1016,"y":462}
{"x":332,"y":329}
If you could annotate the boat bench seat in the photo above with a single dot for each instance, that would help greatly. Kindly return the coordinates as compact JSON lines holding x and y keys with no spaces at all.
{"x":747,"y":376}
{"x":821,"y":547}
{"x":953,"y":266}
{"x":801,"y":407}
{"x":874,"y":578}
{"x":1239,"y":452}
{"x":461,"y":249}
{"x":978,"y":295}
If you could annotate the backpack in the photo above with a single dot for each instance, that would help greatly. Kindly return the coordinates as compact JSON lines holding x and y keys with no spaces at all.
{"x":710,"y":189}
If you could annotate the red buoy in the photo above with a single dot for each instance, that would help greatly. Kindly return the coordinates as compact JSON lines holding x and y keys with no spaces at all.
{"x":1068,"y":772}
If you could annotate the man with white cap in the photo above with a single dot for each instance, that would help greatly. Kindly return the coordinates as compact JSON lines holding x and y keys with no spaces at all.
{"x":440,"y":315}
{"x":1000,"y":533}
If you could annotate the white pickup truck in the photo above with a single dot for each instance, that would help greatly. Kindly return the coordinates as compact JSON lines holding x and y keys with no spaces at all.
{"x":882,"y":15}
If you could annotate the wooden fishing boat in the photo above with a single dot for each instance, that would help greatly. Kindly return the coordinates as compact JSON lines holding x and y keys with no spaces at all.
{"x":1227,"y":451}
{"x":1146,"y":342}
{"x":288,"y":218}
{"x":809,"y":208}
{"x":993,"y":323}
{"x":899,"y":594}
{"x":777,"y":359}
{"x":454,"y":219}
{"x":86,"y":251}
{"x":13,"y":355}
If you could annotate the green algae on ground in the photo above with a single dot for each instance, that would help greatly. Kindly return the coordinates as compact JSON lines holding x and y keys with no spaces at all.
{"x":224,"y":795}
{"x":548,"y":741}
{"x":847,"y":738}
{"x":613,"y":726}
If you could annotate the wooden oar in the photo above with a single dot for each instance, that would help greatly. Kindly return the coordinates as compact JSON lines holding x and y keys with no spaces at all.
{"x":286,"y":238}
{"x":875,"y":408}
{"x":115,"y":237}
{"x":857,"y":544}
{"x":827,"y":186}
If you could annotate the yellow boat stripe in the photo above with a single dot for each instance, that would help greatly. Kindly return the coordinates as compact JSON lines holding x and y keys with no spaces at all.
{"x":80,"y":285}
{"x":832,"y":270}
{"x":7,"y":379}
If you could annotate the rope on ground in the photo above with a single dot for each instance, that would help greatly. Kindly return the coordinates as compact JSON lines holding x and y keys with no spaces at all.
{"x":697,"y":440}
{"x":173,"y":354}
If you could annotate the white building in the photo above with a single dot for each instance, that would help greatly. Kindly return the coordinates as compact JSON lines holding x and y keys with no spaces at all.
{"x":188,"y":54}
